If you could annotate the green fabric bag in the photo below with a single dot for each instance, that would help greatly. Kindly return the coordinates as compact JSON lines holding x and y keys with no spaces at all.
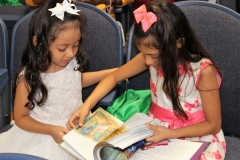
{"x":10,"y":3}
{"x":129,"y":103}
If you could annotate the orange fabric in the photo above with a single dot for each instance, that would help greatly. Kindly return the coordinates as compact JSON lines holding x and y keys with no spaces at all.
{"x":124,"y":3}
{"x":30,"y":3}
{"x":104,"y":8}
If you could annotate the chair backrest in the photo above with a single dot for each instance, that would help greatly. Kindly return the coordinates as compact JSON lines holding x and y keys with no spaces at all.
{"x":218,"y":28}
{"x":18,"y":42}
{"x":142,"y":80}
{"x":10,"y":15}
{"x":4,"y":45}
{"x":4,"y":77}
{"x":124,"y":15}
{"x":212,"y":1}
{"x":18,"y":156}
{"x":229,"y":3}
{"x":103,"y":44}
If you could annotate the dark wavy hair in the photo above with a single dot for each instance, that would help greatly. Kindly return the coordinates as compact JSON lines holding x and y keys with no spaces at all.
{"x":37,"y":59}
{"x":172,"y":25}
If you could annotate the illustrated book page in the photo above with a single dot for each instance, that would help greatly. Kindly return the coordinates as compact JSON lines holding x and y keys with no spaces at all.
{"x":80,"y":141}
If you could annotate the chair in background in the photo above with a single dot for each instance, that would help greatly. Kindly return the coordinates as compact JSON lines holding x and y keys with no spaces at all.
{"x":229,"y":3}
{"x":238,"y":6}
{"x":104,"y":46}
{"x":10,"y":15}
{"x":18,"y":156}
{"x":4,"y":77}
{"x":142,"y":80}
{"x":124,"y":15}
{"x":212,"y":1}
{"x":218,"y":28}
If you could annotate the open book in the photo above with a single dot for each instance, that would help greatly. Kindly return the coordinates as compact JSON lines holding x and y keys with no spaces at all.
{"x":104,"y":137}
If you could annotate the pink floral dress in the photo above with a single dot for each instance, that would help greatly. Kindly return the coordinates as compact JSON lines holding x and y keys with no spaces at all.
{"x":161,"y":107}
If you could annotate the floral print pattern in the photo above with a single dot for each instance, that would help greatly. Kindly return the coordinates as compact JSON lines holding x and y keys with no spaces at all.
{"x":191,"y":102}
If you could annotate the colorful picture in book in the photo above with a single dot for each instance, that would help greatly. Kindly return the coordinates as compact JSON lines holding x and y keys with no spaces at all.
{"x":152,"y":145}
{"x":116,"y":132}
{"x":133,"y":148}
{"x":99,"y":126}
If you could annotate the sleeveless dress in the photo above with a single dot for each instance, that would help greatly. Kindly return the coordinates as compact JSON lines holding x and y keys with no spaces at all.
{"x":161,"y":107}
{"x":64,"y":97}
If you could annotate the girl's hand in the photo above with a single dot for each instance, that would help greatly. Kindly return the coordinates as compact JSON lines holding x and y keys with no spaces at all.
{"x":57,"y":133}
{"x":160,"y":133}
{"x":78,"y":117}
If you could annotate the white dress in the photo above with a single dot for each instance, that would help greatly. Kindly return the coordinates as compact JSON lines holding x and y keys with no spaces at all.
{"x":64,"y":97}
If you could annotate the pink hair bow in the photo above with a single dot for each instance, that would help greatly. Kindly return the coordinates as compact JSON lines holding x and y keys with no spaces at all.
{"x":147,"y":18}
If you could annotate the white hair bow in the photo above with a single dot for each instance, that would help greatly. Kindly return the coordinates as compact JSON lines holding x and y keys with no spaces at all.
{"x":66,"y":6}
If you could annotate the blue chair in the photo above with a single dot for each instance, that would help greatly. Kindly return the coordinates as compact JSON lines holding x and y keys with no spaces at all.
{"x":103,"y":45}
{"x":232,"y":4}
{"x":4,"y":77}
{"x":18,"y":156}
{"x":142,"y":80}
{"x":10,"y":15}
{"x":124,"y":15}
{"x":218,"y":28}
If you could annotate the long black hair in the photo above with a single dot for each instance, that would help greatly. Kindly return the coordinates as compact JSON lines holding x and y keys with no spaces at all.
{"x":37,"y":58}
{"x":171,"y":26}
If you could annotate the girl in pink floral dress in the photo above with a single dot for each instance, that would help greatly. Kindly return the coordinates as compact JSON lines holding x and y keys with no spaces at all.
{"x":191,"y":103}
{"x":184,"y":79}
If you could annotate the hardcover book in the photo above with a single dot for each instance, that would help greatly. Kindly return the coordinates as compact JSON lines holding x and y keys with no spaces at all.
{"x":104,"y":137}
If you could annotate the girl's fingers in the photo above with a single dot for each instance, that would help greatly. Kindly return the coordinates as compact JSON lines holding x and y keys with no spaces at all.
{"x":152,"y":127}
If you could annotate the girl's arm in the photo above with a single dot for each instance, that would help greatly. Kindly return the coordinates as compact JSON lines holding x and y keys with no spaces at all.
{"x":90,"y":78}
{"x":24,"y":121}
{"x":135,"y":66}
{"x":209,"y":92}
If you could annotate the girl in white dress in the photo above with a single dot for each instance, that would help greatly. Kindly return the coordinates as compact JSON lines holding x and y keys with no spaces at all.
{"x":49,"y":84}
{"x":184,"y":79}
